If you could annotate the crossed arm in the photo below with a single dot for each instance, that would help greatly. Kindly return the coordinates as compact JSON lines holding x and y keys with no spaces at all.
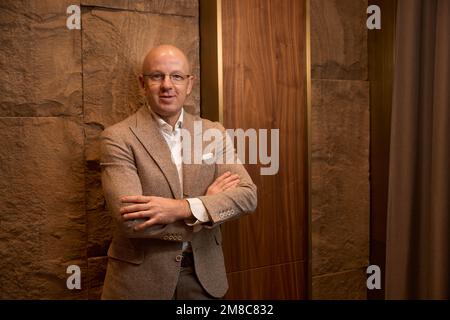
{"x":232,"y":192}
{"x":163,"y":211}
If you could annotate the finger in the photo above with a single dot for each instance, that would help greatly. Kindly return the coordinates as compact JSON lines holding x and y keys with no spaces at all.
{"x":137,"y":199}
{"x":134,"y":208}
{"x":223,"y":176}
{"x":227,"y":180}
{"x":137,"y":215}
{"x":213,"y":184}
{"x":234,"y":182}
{"x":231,"y":185}
{"x":218,"y":183}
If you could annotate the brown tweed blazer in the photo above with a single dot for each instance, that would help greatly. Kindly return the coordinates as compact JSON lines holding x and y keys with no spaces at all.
{"x":136,"y":160}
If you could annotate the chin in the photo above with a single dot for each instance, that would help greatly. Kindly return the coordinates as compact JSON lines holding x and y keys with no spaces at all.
{"x":168,"y":110}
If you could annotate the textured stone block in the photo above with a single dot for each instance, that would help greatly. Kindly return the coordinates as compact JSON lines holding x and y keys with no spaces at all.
{"x":92,"y":133}
{"x":100,"y":225}
{"x":43,"y":203}
{"x":340,"y":175}
{"x":96,"y":277}
{"x":100,"y":230}
{"x":51,"y":196}
{"x":339,"y":39}
{"x":348,"y":285}
{"x":40,"y":60}
{"x":174,"y":7}
{"x":114,"y":45}
{"x":111,"y":89}
{"x":99,"y":220}
{"x":50,"y":281}
{"x":44,"y":280}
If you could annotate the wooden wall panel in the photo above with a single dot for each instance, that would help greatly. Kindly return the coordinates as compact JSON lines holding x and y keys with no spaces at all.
{"x":264,"y":67}
{"x":274,"y":282}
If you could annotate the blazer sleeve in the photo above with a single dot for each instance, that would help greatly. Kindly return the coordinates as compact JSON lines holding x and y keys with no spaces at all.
{"x":231,"y":204}
{"x":120,"y":178}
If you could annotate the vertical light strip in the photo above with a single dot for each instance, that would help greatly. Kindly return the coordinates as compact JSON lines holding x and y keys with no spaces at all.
{"x":219,"y":59}
{"x":308,"y":137}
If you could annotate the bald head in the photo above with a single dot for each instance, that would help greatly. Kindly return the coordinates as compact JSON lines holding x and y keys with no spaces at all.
{"x":166,"y":81}
{"x":165,"y":52}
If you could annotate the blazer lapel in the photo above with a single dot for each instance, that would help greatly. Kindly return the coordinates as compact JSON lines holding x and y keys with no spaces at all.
{"x":147,"y":132}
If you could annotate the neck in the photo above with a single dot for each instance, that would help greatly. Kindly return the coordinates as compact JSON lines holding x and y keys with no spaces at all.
{"x":172,"y":119}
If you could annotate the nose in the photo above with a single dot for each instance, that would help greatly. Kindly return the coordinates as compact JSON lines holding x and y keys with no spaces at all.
{"x":166,"y":83}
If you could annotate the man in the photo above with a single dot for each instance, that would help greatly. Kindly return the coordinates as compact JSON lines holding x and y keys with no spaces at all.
{"x":167,"y":244}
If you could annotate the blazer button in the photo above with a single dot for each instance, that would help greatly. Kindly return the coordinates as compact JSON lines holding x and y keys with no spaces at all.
{"x":178,"y":258}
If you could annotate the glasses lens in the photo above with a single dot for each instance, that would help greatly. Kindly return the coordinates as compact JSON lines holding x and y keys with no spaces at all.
{"x":156,"y":77}
{"x":176,"y":77}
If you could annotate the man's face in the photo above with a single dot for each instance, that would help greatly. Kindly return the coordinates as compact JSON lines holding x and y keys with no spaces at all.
{"x":166,"y":96}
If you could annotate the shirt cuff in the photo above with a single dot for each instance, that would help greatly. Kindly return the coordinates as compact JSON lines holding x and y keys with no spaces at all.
{"x":198,"y":211}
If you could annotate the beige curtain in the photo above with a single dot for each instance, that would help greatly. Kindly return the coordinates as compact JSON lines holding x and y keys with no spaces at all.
{"x":417,"y":252}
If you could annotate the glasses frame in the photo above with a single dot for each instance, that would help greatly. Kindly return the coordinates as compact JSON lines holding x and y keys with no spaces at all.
{"x":188,"y":76}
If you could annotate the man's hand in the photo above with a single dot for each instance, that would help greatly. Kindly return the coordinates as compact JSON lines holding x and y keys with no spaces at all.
{"x":156,"y":209}
{"x":223,"y":183}
{"x":164,"y":211}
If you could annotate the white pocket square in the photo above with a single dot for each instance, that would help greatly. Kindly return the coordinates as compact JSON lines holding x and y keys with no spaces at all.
{"x":207,"y":156}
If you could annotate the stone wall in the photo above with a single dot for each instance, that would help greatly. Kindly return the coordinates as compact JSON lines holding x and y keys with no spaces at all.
{"x":59,"y":89}
{"x":340,"y":149}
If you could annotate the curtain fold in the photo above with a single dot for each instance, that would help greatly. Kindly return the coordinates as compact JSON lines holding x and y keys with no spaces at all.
{"x":417,"y":244}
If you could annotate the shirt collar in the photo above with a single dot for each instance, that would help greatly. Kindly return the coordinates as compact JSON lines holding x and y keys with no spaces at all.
{"x":163,"y":125}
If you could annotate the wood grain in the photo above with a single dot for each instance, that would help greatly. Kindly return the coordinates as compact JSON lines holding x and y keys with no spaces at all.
{"x":274,"y":282}
{"x":264,"y":64}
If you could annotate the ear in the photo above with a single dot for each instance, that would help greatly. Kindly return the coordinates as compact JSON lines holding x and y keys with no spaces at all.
{"x":141,"y":81}
{"x":190,"y":85}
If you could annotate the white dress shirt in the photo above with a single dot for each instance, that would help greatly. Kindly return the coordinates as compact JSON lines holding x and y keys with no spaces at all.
{"x":173,"y":139}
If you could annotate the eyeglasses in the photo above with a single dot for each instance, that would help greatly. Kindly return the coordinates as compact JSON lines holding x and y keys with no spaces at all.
{"x":176,"y":78}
